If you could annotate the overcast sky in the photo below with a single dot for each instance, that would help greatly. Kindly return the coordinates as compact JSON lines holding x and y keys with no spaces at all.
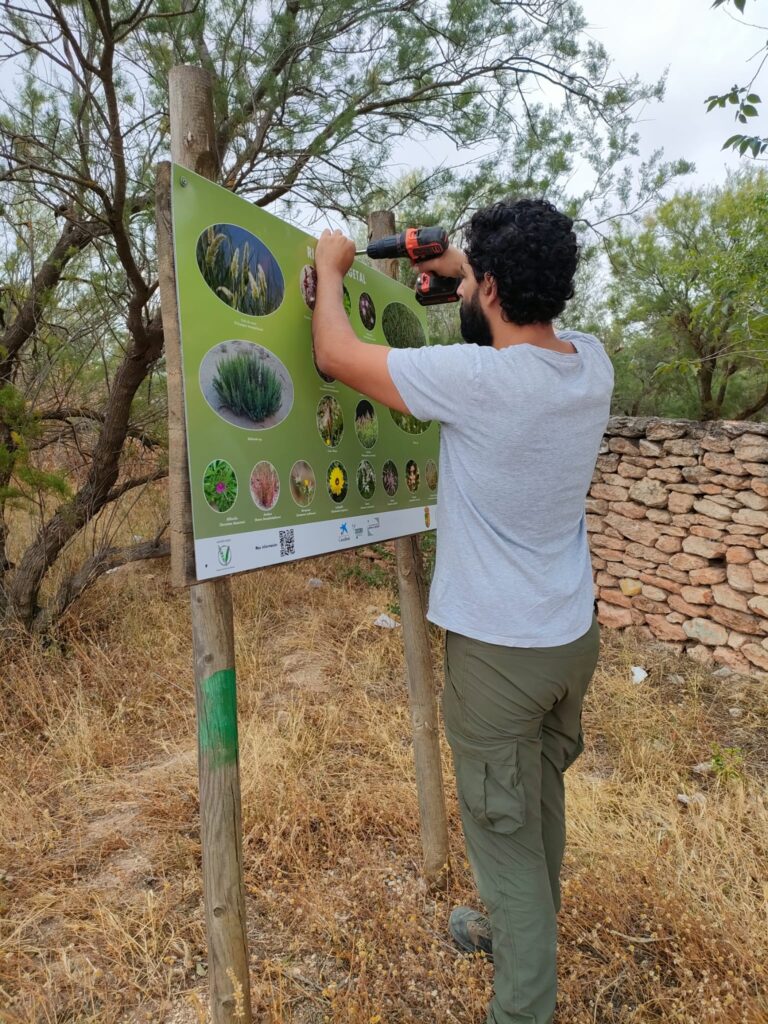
{"x":705,"y":50}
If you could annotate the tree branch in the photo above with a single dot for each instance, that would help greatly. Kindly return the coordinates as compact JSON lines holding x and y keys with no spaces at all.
{"x":67,"y":413}
{"x":73,"y":239}
{"x":133,"y":483}
{"x":102,"y":561}
{"x":750,"y":410}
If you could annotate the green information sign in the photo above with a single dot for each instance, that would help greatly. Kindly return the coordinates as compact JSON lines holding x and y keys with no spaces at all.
{"x":285,"y":462}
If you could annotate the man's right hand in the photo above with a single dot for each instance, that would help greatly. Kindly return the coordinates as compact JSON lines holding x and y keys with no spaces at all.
{"x":453,"y":263}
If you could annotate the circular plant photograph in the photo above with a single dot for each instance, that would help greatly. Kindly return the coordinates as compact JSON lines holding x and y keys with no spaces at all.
{"x":411,"y":476}
{"x":337,"y":481}
{"x":367,"y":311}
{"x":308,"y":284}
{"x":330,"y":421}
{"x":389,"y":478}
{"x":347,"y":302}
{"x":430,"y":474}
{"x":366,"y":479}
{"x":409,"y":424}
{"x":220,"y":485}
{"x":246,"y":385}
{"x":366,"y":424}
{"x":265,"y":485}
{"x":240,"y":270}
{"x":303,"y":483}
{"x":402,"y":329}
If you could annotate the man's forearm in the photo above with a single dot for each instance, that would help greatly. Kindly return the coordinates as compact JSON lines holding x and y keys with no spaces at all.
{"x":331,"y":329}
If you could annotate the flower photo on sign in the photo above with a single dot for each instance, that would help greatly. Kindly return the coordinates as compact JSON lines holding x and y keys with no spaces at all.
{"x":220,"y":485}
{"x":337,"y":481}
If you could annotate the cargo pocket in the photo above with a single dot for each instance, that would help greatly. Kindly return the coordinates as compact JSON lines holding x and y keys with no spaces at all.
{"x":492,"y":790}
{"x":577,"y":750}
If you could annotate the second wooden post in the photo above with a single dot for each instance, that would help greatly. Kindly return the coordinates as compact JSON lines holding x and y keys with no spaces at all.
{"x":418,"y":657}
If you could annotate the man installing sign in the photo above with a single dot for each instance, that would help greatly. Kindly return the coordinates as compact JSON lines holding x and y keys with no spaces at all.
{"x":522,"y":410}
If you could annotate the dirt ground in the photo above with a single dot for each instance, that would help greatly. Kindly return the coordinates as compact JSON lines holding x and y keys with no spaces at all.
{"x":666,"y":877}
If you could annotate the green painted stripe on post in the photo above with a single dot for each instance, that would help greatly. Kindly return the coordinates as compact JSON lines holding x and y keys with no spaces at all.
{"x":218,"y":717}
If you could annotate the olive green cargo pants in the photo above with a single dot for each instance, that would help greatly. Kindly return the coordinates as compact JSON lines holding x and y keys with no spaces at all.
{"x":513,"y":721}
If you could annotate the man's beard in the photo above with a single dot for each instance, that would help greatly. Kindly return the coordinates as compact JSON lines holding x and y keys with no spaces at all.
{"x":475,"y":326}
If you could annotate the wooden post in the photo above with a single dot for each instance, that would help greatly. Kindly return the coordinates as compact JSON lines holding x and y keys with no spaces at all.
{"x":192,"y":144}
{"x":418,"y":657}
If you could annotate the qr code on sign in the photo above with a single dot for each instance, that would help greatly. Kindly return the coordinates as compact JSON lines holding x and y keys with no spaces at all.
{"x":287,"y":543}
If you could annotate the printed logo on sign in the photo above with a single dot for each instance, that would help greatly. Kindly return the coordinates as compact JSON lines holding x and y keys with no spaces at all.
{"x":373,"y":524}
{"x":225,"y":555}
{"x":343,"y":532}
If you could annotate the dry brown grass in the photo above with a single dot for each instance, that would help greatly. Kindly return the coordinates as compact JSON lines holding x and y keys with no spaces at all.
{"x":664,"y":915}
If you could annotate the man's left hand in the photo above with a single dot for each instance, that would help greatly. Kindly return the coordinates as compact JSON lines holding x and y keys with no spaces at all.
{"x":334,"y":254}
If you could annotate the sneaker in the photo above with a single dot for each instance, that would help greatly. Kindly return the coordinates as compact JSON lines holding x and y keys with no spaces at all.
{"x":470,"y":931}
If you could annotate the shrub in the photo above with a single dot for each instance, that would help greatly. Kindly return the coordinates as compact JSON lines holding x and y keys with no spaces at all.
{"x":248,"y":386}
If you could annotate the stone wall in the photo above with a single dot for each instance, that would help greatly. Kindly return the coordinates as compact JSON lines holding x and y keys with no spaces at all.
{"x":678,"y":521}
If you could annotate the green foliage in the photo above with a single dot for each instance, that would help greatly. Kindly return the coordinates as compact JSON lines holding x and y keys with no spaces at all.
{"x":744,"y":99}
{"x":727,"y":763}
{"x":367,"y":573}
{"x":220,"y":485}
{"x":689,"y":335}
{"x":24,"y":480}
{"x":246,"y":384}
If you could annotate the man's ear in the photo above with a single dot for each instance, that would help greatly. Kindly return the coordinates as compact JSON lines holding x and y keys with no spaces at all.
{"x":490,"y":288}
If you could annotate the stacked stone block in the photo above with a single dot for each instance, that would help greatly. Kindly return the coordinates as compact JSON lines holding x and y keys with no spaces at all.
{"x":677,"y":516}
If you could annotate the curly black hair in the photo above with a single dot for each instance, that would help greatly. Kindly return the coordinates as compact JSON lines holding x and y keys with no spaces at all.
{"x":529,"y":247}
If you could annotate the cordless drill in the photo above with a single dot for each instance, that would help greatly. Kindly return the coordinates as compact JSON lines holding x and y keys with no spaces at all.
{"x":418,"y":244}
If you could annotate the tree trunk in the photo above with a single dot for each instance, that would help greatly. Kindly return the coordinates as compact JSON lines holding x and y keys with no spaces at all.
{"x":104,"y":470}
{"x":710,"y":408}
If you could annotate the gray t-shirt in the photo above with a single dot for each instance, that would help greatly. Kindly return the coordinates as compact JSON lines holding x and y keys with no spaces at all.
{"x":521,"y":430}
